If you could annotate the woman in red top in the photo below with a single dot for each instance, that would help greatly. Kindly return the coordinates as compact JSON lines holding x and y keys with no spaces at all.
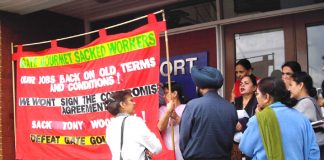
{"x":242,"y":68}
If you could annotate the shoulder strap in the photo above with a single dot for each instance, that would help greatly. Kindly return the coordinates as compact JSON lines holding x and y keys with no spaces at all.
{"x":122,"y":137}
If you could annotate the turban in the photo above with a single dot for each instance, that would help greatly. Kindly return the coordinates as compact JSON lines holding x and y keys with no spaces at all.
{"x":206,"y":77}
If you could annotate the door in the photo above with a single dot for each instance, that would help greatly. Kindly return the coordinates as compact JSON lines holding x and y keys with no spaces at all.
{"x":310,"y":48}
{"x":266,"y":43}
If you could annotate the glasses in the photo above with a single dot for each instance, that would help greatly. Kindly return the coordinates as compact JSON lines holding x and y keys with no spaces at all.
{"x":288,"y":74}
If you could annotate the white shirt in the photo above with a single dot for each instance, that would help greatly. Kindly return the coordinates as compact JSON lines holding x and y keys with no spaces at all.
{"x":137,"y":137}
{"x":167,"y":134}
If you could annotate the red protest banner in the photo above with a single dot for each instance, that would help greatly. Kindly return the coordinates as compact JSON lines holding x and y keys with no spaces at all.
{"x":60,"y":93}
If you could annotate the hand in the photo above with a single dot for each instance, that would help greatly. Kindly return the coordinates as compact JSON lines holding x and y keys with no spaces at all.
{"x":320,"y":101}
{"x":175,"y":117}
{"x":170,"y":107}
{"x":148,"y":153}
{"x":238,"y":126}
{"x":258,"y":109}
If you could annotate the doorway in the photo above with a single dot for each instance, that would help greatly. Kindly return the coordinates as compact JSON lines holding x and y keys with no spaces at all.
{"x":268,"y":43}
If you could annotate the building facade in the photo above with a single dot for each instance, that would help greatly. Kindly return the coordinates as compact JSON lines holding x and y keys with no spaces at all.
{"x":268,"y":33}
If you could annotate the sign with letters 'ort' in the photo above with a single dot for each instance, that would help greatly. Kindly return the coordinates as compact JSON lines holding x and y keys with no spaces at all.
{"x":180,"y":67}
{"x":60,"y":92}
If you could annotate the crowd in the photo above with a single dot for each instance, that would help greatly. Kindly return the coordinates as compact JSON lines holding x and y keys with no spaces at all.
{"x":265,"y":118}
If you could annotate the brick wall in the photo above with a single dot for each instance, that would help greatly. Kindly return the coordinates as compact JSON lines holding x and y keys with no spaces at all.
{"x":7,"y":140}
{"x":39,"y":26}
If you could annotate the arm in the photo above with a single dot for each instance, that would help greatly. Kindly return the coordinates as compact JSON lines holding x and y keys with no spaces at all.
{"x":243,"y":122}
{"x":314,"y":152}
{"x":250,"y":138}
{"x":164,"y":119}
{"x":147,"y":138}
{"x":185,"y":127}
{"x":232,"y":97}
{"x":320,"y":101}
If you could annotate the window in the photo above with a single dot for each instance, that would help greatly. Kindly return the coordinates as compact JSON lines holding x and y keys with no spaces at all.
{"x":183,"y":13}
{"x":235,"y":8}
{"x":315,"y":39}
{"x":265,"y":51}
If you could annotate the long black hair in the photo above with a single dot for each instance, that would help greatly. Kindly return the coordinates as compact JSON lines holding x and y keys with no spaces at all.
{"x":303,"y":77}
{"x":276,"y":88}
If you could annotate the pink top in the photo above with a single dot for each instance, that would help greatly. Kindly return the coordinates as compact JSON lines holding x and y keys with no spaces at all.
{"x":167,"y":133}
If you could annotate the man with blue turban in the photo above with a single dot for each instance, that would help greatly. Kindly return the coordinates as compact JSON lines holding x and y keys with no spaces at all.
{"x":208,"y":123}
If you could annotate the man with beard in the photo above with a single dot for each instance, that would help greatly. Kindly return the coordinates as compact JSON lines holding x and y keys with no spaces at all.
{"x":208,"y":123}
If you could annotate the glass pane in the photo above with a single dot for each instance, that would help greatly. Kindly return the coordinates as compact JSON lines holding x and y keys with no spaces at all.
{"x":315,"y":39}
{"x":190,"y":12}
{"x":265,"y":50}
{"x":235,"y":8}
{"x":178,"y":14}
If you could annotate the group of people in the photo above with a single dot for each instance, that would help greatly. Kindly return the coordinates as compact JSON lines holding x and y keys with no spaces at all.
{"x":268,"y":118}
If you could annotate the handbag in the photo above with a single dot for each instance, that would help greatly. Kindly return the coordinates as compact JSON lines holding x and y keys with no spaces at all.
{"x":122,"y":139}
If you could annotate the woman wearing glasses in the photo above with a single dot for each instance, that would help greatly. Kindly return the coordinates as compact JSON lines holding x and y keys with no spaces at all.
{"x":288,"y":69}
{"x":135,"y":140}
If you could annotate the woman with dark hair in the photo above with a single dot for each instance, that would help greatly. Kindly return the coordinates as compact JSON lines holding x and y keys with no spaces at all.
{"x":172,"y":114}
{"x":288,"y":69}
{"x":301,"y":88}
{"x":247,"y":101}
{"x":245,"y":106}
{"x":269,"y":132}
{"x":242,"y":68}
{"x":128,"y":136}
